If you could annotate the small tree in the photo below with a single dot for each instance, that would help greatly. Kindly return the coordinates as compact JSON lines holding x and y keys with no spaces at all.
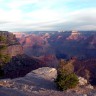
{"x":66,"y":79}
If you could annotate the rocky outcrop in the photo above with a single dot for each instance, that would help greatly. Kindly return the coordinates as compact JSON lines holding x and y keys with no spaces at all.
{"x":45,"y":72}
{"x":13,"y":47}
{"x":39,"y":82}
{"x":75,"y":35}
{"x":82,"y":81}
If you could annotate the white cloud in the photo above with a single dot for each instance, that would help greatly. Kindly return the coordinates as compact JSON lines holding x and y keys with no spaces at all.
{"x":10,"y":16}
{"x":45,"y":17}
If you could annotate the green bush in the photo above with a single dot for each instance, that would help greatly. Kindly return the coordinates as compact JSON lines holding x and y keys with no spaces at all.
{"x":66,"y":81}
{"x":66,"y":78}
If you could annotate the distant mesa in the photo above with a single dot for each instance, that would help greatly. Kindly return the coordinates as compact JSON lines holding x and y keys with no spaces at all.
{"x":75,"y":35}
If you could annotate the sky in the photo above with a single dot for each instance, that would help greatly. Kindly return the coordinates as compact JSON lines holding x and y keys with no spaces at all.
{"x":47,"y":15}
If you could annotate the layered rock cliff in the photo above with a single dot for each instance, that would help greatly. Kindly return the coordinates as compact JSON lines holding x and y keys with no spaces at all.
{"x":13,"y":47}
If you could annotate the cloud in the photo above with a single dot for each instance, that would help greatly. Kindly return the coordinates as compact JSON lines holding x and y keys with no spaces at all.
{"x":47,"y":15}
{"x":11,"y":16}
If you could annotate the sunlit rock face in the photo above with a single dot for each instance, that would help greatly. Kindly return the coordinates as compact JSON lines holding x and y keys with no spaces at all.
{"x":45,"y":72}
{"x":75,"y":35}
{"x":13,"y":46}
{"x":14,"y":50}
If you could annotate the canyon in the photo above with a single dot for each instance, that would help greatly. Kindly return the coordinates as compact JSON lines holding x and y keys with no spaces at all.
{"x":44,"y":50}
{"x":50,"y":47}
{"x":59,"y":44}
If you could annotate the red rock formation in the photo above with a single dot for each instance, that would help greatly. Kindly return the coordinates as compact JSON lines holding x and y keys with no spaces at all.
{"x":13,"y":46}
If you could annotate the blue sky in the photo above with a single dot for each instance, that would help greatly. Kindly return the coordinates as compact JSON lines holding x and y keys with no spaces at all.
{"x":30,"y":15}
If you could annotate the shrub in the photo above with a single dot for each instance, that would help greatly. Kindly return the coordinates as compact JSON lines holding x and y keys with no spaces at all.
{"x":66,"y":78}
{"x":66,"y":81}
